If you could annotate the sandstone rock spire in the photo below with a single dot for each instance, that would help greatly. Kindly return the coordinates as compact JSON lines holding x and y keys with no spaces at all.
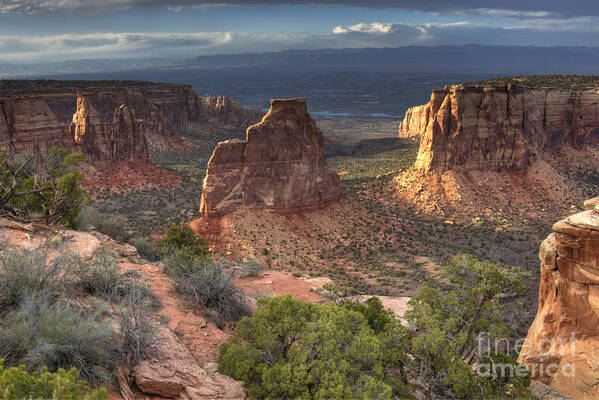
{"x":280,"y":166}
{"x":118,"y":137}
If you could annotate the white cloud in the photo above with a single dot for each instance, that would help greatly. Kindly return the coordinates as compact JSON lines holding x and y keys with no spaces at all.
{"x":98,"y":45}
{"x":175,"y":8}
{"x":375,"y":28}
{"x":533,"y":31}
{"x":505,"y":13}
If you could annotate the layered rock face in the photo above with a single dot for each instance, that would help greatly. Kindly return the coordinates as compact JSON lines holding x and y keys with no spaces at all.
{"x":120,"y":136}
{"x":499,"y":127}
{"x":280,"y":166}
{"x":415,"y":121}
{"x":562,"y":346}
{"x":49,"y":114}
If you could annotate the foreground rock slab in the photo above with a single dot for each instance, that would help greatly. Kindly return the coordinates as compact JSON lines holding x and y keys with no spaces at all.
{"x":562,"y":346}
{"x":174,"y":373}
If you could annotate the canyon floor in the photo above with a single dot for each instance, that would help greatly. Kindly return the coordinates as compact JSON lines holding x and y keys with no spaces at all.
{"x":392,"y":231}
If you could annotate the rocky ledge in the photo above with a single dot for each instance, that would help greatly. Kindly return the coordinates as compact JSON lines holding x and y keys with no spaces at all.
{"x":501,"y":124}
{"x":563,"y":342}
{"x":280,"y":166}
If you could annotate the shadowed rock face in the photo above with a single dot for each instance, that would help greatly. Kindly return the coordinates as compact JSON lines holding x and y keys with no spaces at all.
{"x":54,"y":115}
{"x":495,"y":127}
{"x":118,"y":137}
{"x":562,"y":347}
{"x":280,"y":166}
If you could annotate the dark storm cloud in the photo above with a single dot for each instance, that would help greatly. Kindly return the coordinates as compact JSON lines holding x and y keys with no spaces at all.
{"x":513,"y":8}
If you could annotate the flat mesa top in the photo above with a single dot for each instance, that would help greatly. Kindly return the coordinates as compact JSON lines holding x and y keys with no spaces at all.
{"x":538,"y":81}
{"x":19,"y":86}
{"x":297,"y":100}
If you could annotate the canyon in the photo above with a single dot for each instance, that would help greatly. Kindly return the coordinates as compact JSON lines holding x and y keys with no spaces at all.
{"x":280,"y":166}
{"x":563,"y":341}
{"x":107,"y":120}
{"x":500,"y":125}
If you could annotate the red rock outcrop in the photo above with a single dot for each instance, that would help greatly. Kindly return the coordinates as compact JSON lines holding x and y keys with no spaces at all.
{"x":495,"y":126}
{"x":562,"y":346}
{"x":42,"y":112}
{"x":280,"y":166}
{"x":415,"y":121}
{"x":117,"y":137}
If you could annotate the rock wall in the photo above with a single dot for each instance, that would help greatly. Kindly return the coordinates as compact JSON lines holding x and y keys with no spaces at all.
{"x":280,"y":166}
{"x":49,"y":114}
{"x":500,"y":127}
{"x":118,"y":136}
{"x":415,"y":121}
{"x":562,"y":346}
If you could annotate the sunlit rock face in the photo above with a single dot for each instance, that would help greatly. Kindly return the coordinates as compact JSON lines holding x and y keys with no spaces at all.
{"x":120,"y":137}
{"x":562,"y":346}
{"x":88,"y":117}
{"x":499,"y":127}
{"x":280,"y":166}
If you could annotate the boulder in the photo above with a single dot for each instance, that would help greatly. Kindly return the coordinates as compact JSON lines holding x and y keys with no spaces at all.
{"x":174,"y":373}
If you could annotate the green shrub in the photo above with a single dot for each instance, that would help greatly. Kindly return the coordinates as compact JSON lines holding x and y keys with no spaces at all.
{"x":102,"y":277}
{"x":374,"y":312}
{"x":182,"y":237}
{"x":88,"y":218}
{"x":17,"y":384}
{"x":291,"y":349}
{"x":50,"y":193}
{"x":448,"y":323}
{"x":145,"y":249}
{"x":110,"y":225}
{"x":250,"y":269}
{"x":42,"y":333}
{"x":203,"y":283}
{"x":138,"y":331}
{"x":24,"y":272}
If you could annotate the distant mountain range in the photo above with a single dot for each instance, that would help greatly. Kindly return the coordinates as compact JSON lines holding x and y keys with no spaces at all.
{"x":455,"y":59}
{"x":468,"y":58}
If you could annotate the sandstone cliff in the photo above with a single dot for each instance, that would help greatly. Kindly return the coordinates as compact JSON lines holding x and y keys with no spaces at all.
{"x":47,"y":112}
{"x":415,"y":121}
{"x":280,"y":166}
{"x":500,"y":126}
{"x":119,"y":136}
{"x":562,"y":346}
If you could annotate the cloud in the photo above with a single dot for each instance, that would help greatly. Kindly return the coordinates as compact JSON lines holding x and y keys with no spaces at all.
{"x":374,"y":28}
{"x":551,"y":31}
{"x":540,"y":32}
{"x":510,"y":8}
{"x":97,"y":45}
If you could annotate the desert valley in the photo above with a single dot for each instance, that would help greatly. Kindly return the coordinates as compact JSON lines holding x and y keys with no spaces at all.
{"x":382,"y":211}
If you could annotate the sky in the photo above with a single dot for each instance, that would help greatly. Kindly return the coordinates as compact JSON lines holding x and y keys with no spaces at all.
{"x":58,"y":30}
